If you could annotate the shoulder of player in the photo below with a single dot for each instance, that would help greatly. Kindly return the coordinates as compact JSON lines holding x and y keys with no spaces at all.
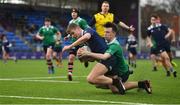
{"x":110,"y":13}
{"x":114,"y":47}
{"x":87,"y":32}
{"x":115,"y":43}
{"x":71,"y":21}
{"x":52,"y":26}
{"x":82,"y":20}
{"x":150,"y":27}
{"x":42,"y":27}
{"x":163,"y":25}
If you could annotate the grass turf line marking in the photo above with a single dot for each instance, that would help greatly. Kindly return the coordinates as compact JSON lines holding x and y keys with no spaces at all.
{"x":54,"y":81}
{"x":75,"y":100}
{"x":45,"y":77}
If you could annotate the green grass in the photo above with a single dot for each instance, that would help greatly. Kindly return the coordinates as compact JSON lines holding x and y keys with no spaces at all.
{"x":166,"y":90}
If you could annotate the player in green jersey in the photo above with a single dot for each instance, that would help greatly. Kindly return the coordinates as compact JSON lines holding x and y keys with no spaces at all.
{"x":115,"y":68}
{"x":46,"y":34}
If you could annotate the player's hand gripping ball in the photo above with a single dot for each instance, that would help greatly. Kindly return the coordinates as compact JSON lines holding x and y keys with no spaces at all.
{"x":83,"y":54}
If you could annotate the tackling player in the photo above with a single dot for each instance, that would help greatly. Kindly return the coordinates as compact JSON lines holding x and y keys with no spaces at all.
{"x":112,"y":64}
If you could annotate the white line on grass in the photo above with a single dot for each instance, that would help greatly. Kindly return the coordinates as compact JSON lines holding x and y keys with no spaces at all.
{"x":45,"y":77}
{"x":66,"y":99}
{"x":55,"y":81}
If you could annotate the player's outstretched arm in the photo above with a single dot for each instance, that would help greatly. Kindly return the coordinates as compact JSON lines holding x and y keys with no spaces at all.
{"x":131,"y":28}
{"x":84,"y":52}
{"x":81,"y":40}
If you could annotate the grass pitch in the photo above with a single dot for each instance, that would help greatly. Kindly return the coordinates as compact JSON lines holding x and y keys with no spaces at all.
{"x":27,"y":82}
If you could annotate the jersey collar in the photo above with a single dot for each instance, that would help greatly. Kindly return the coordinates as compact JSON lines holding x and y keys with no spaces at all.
{"x":111,"y":41}
{"x":156,"y":25}
{"x":76,"y":18}
{"x":48,"y":26}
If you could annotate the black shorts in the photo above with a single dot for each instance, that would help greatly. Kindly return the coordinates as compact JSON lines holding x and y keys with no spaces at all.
{"x":153,"y":51}
{"x":45,"y":47}
{"x":7,"y":49}
{"x":57,"y":49}
{"x":111,"y":65}
{"x":125,"y":77}
{"x":133,"y":51}
{"x":167,"y":48}
{"x":159,"y":50}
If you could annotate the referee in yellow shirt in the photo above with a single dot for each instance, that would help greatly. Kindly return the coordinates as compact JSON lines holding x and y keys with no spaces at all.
{"x":105,"y":16}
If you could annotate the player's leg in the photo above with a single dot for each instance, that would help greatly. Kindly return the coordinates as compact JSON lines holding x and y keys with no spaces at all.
{"x":70,"y":65}
{"x":130,"y":58}
{"x":55,"y":57}
{"x":134,"y":60}
{"x":165,"y":67}
{"x":158,"y":60}
{"x":167,"y":62}
{"x":133,"y":84}
{"x":134,"y":53}
{"x":60,"y":55}
{"x":49,"y":51}
{"x":5,"y":56}
{"x":169,"y":52}
{"x":8,"y":51}
{"x":60,"y":58}
{"x":97,"y":74}
{"x":153,"y":59}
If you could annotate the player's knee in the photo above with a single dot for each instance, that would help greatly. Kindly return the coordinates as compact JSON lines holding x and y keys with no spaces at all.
{"x":54,"y":57}
{"x":71,"y":58}
{"x":167,"y":58}
{"x":152,"y":56}
{"x":130,"y":55}
{"x":91,"y":80}
{"x":48,"y":56}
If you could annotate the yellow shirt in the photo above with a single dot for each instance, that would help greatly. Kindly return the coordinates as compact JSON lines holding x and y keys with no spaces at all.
{"x":102,"y":19}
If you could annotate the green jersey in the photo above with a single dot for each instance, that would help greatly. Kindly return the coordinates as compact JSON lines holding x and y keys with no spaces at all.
{"x":115,"y":49}
{"x":80,"y":22}
{"x":48,"y":34}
